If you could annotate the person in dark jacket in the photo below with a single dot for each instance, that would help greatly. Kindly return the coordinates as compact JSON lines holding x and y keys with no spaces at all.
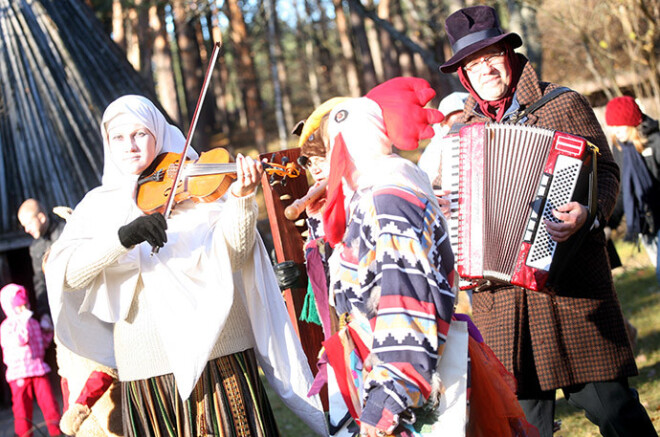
{"x":45,"y":229}
{"x":651,"y":131}
{"x":570,"y":336}
{"x":637,"y":140}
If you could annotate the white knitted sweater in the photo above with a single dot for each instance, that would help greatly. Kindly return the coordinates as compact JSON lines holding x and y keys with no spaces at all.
{"x":139,"y":351}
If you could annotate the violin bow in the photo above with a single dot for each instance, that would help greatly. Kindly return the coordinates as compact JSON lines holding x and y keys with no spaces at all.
{"x":191,"y":130}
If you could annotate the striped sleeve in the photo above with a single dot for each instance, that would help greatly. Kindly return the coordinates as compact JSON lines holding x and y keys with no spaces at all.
{"x":411,"y":321}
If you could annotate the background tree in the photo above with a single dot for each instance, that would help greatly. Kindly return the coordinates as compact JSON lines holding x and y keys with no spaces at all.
{"x":247,"y":82}
{"x":278,"y":75}
{"x":522,"y":20}
{"x":617,"y":41}
{"x":307,"y":56}
{"x":348,"y":54}
{"x":165,"y":83}
{"x":364,"y":56}
{"x":275,"y":71}
{"x":190,"y":56}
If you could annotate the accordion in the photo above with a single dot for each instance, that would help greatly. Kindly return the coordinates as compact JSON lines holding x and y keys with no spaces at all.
{"x":505,"y":180}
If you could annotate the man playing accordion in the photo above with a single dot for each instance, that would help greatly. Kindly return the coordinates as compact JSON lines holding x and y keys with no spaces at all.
{"x":571,"y":335}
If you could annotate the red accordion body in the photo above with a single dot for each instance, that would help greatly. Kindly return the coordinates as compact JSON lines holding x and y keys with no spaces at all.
{"x":511,"y":177}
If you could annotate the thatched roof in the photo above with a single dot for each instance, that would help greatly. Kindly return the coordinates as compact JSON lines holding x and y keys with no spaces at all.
{"x":58,"y":72}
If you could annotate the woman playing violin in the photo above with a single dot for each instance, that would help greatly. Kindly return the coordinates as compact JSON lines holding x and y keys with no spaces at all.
{"x":186,"y":325}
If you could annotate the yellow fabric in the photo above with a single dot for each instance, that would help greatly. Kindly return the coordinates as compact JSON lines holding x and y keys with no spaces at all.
{"x":314,"y":120}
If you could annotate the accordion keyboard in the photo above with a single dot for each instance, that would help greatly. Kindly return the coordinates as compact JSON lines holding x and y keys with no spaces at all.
{"x":449,"y":177}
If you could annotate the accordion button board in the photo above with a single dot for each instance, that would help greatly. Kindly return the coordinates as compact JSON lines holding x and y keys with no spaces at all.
{"x":558,"y":192}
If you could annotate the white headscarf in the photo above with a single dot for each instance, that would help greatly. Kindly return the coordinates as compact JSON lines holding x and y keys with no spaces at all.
{"x":168,"y":137}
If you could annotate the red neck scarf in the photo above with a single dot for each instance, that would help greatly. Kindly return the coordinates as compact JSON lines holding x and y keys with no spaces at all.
{"x":495,"y":109}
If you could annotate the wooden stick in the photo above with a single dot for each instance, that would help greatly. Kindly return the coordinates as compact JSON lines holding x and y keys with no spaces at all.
{"x":298,"y":206}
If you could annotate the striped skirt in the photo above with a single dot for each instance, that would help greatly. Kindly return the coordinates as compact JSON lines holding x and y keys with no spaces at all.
{"x":229,"y":400}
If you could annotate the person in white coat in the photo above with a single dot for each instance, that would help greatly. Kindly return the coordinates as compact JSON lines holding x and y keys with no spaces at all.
{"x":186,"y":326}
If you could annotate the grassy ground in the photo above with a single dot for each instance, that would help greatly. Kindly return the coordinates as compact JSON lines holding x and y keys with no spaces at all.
{"x":289,"y":424}
{"x":639,"y":294}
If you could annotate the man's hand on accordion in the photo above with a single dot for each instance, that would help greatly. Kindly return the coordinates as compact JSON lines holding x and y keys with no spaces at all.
{"x":572,"y":217}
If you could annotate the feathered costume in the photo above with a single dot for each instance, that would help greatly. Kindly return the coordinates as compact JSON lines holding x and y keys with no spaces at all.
{"x":399,"y":360}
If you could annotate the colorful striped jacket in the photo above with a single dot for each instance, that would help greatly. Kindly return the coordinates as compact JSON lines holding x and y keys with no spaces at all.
{"x":394,"y":267}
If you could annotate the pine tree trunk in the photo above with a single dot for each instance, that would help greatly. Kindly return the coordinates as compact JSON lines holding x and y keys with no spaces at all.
{"x":357,"y":26}
{"x":412,"y":17}
{"x":131,"y":37}
{"x":346,"y":50}
{"x":162,"y":59}
{"x":145,"y":39}
{"x":391,"y":66}
{"x":281,"y":70}
{"x":308,"y":60}
{"x":522,"y":20}
{"x":444,"y":83}
{"x":320,"y":33}
{"x":205,"y":46}
{"x":270,"y":18}
{"x":192,"y":71}
{"x":220,"y":74}
{"x":374,"y":46}
{"x":405,"y":57}
{"x":118,"y":34}
{"x":247,"y":76}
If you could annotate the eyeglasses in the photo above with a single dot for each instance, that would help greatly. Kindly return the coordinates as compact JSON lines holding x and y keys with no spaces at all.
{"x":478,"y":64}
{"x":308,"y":161}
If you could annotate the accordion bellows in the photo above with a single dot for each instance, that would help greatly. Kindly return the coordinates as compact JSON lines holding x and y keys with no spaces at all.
{"x":511,"y":177}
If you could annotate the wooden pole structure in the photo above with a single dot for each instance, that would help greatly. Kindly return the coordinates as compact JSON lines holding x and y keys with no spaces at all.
{"x":58,"y":72}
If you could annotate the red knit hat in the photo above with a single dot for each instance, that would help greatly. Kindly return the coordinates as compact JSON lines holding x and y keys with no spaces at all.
{"x":623,"y":111}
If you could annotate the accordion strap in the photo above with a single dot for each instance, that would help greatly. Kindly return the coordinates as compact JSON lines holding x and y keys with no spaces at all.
{"x":593,"y":186}
{"x":592,"y":207}
{"x":520,"y":115}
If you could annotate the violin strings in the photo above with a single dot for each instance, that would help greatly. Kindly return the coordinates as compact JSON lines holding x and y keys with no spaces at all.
{"x":209,"y":169}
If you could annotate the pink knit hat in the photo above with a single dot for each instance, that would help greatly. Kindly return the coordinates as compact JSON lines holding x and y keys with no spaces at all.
{"x":12,"y":296}
{"x":623,"y":111}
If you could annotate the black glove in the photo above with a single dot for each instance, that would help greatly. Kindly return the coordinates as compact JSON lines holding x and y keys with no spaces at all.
{"x":287,"y":273}
{"x":149,"y":228}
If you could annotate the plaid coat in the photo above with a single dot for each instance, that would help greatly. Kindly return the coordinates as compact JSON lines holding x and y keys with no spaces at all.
{"x":575,"y":333}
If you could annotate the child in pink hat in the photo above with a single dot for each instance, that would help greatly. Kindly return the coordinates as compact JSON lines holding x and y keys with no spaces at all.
{"x":23,"y":346}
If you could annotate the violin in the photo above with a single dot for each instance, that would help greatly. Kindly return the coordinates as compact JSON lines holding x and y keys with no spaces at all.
{"x":203,"y":180}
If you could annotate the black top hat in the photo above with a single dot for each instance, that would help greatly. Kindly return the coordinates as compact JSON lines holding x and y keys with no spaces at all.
{"x":470,"y":30}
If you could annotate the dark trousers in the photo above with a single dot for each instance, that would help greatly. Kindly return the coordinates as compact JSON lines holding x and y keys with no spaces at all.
{"x":612,"y":405}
